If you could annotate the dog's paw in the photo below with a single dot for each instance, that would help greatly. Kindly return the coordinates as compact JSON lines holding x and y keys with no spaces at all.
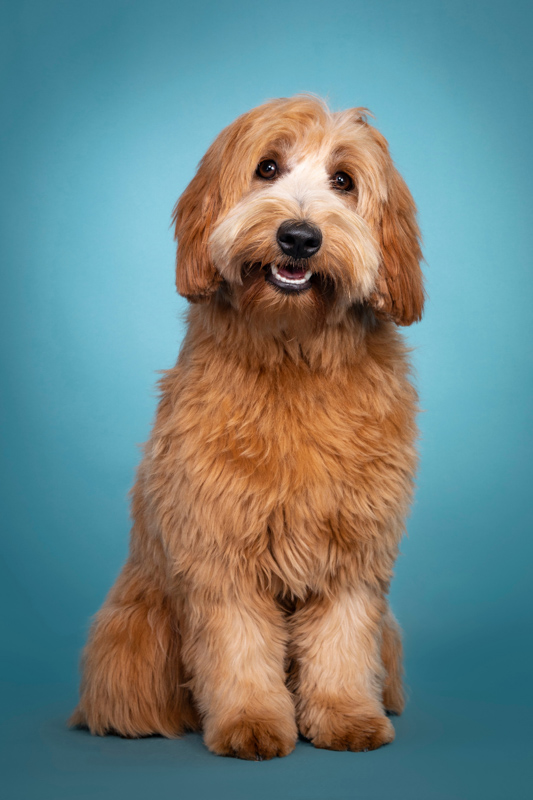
{"x":253,"y":739}
{"x":356,"y":733}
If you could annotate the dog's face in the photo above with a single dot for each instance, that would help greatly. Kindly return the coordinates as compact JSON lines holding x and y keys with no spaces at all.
{"x":296,"y":212}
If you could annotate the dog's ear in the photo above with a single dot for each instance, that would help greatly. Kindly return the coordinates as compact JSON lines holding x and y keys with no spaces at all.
{"x":194,"y":216}
{"x":399,"y":291}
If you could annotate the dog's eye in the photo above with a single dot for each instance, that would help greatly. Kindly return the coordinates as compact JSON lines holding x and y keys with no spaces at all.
{"x":267,"y":169}
{"x":341,"y":180}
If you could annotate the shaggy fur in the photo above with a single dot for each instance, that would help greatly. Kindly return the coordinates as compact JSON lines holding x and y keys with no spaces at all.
{"x":272,"y":495}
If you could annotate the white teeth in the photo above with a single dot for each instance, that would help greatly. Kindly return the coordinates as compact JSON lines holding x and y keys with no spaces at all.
{"x":292,"y":281}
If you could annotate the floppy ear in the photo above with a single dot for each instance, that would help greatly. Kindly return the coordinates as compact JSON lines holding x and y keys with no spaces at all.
{"x":194,"y":215}
{"x":399,"y":291}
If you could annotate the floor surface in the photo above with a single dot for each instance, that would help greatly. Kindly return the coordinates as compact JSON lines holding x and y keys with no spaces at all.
{"x":445,"y":748}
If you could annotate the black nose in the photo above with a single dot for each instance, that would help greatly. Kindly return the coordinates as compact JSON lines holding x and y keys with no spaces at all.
{"x":299,"y":239}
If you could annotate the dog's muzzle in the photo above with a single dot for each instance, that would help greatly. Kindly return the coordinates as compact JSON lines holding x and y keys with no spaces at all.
{"x":299,"y":241}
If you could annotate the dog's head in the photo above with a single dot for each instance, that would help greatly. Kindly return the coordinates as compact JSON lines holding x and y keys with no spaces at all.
{"x":296,"y":210}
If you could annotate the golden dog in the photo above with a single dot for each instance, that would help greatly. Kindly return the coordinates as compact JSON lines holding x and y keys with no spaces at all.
{"x":271,"y":499}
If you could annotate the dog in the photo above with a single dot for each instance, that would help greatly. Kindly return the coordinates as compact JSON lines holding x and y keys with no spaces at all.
{"x":272,"y":495}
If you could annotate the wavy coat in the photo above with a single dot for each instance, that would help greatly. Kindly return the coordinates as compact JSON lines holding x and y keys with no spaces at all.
{"x":272,"y":495}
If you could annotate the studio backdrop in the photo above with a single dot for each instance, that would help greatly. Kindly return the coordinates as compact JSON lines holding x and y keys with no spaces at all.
{"x":107,"y":108}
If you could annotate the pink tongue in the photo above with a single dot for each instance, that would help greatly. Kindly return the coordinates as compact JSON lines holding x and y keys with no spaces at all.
{"x":296,"y":274}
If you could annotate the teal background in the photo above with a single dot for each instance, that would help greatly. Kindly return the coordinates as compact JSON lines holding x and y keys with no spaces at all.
{"x":106,"y":109}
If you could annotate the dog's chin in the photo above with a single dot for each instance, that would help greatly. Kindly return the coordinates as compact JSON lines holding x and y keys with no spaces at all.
{"x":289,"y":279}
{"x":278,"y":292}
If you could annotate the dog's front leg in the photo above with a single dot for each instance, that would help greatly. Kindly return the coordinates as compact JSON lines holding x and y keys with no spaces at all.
{"x":234,"y":648}
{"x":336,"y":642}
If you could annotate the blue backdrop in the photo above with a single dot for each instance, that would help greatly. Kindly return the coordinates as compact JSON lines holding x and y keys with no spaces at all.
{"x":107,"y":107}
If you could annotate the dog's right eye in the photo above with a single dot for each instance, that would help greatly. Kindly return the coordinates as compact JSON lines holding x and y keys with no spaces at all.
{"x":267,"y":169}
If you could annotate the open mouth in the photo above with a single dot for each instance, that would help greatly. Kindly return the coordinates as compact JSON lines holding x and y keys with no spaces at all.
{"x":289,"y":278}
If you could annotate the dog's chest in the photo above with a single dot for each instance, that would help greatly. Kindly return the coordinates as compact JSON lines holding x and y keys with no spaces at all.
{"x":293,"y":473}
{"x":298,"y":464}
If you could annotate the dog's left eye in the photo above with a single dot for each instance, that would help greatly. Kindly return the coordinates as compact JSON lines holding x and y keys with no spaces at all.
{"x":341,"y":180}
{"x":267,"y":169}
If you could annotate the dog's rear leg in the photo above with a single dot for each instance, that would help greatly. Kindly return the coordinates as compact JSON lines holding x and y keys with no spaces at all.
{"x":131,"y":664}
{"x":392,"y":657}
